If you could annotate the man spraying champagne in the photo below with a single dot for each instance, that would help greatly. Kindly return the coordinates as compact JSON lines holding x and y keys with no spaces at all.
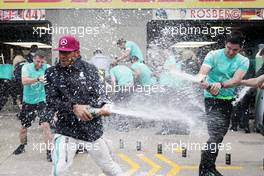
{"x":225,"y":68}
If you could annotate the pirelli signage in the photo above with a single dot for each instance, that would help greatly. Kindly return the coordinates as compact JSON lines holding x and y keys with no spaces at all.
{"x":130,"y":4}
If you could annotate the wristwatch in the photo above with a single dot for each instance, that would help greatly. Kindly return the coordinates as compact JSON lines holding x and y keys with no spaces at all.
{"x":93,"y":111}
{"x":38,"y":79}
{"x":209,"y":87}
{"x":222,"y":85}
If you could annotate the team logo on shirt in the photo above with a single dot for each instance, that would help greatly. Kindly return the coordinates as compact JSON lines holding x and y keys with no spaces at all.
{"x":82,"y":78}
{"x":36,"y":86}
{"x":81,"y":74}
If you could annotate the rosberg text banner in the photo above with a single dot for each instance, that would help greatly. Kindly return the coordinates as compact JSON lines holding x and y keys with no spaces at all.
{"x":128,"y":4}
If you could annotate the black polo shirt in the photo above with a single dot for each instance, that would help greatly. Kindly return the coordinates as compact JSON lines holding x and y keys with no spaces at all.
{"x":76,"y":84}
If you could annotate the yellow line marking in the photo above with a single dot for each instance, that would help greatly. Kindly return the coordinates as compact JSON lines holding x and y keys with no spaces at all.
{"x":154,"y":167}
{"x":178,"y":150}
{"x":175,"y":168}
{"x":229,"y":167}
{"x":133,"y":165}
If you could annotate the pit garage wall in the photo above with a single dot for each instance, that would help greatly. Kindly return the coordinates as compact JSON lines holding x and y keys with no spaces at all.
{"x":101,"y":28}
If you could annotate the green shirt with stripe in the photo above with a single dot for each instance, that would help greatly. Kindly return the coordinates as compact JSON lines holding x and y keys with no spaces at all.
{"x":34,"y":93}
{"x":122,"y":74}
{"x":134,"y":50}
{"x":145,"y":77}
{"x":222,"y":69}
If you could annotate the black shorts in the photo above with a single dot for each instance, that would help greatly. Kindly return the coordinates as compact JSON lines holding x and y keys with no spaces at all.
{"x":30,"y":111}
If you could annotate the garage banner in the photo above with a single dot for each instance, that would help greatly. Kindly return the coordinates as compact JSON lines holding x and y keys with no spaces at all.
{"x":22,"y":15}
{"x":128,"y":4}
{"x":208,"y":14}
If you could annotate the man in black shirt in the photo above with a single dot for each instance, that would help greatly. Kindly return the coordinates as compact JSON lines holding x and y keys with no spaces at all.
{"x":241,"y":111}
{"x":258,"y":81}
{"x":73,"y":86}
{"x":261,"y":70}
{"x":31,"y":53}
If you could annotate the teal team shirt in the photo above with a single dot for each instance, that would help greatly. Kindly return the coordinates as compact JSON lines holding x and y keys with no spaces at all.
{"x":145,"y":74}
{"x":6,"y":71}
{"x":134,"y":50}
{"x":222,"y":69}
{"x":167,"y":78}
{"x":34,"y":93}
{"x":122,"y":74}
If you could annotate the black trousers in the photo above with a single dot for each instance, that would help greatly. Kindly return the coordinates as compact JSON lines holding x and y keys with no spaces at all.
{"x":218,"y":119}
{"x":241,"y":114}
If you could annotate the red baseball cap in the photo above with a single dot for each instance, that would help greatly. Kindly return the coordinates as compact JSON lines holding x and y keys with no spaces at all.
{"x":68,"y":43}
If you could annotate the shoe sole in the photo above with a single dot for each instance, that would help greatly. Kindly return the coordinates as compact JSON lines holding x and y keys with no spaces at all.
{"x":20,"y":152}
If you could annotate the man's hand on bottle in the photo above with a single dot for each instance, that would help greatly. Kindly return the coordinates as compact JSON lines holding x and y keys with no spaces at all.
{"x":215,"y":87}
{"x":204,"y":84}
{"x":212,"y":88}
{"x":42,"y":79}
{"x":82,"y":112}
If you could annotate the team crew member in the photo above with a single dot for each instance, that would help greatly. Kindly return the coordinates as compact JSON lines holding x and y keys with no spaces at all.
{"x":101,"y":62}
{"x":241,"y":118}
{"x":121,"y":75}
{"x":73,"y":86}
{"x":122,"y":82}
{"x":129,"y":49}
{"x":224,"y":68}
{"x":261,"y":70}
{"x":6,"y":76}
{"x":259,"y":80}
{"x":34,"y":98}
{"x":170,"y":65}
{"x":31,"y":53}
{"x":142,"y":72}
